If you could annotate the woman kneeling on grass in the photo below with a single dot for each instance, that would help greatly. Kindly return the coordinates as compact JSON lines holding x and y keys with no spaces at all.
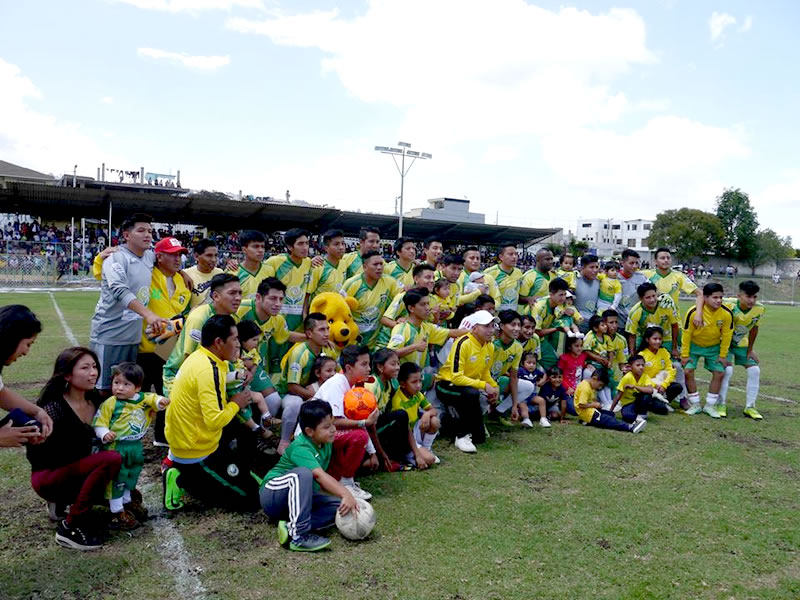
{"x":64,"y":469}
{"x":18,"y":330}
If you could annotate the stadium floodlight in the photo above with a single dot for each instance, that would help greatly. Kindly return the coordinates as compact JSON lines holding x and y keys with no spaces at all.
{"x":401,"y":168}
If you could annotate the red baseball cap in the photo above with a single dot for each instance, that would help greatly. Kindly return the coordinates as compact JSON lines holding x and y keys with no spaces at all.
{"x":171,"y":246}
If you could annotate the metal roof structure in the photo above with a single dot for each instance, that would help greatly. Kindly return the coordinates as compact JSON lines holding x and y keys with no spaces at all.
{"x":220,"y":213}
{"x":11,"y":170}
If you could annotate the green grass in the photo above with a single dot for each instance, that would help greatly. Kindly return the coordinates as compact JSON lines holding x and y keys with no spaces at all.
{"x":691,"y":508}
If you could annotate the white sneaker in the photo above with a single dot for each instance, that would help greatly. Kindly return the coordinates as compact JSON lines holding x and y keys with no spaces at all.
{"x":357,"y":492}
{"x":570,"y":334}
{"x":638,"y":426}
{"x":544,"y":422}
{"x":640,"y":418}
{"x":580,"y":336}
{"x":436,"y":459}
{"x":711,"y":411}
{"x":694,"y":409}
{"x":465,"y":444}
{"x":526,"y":422}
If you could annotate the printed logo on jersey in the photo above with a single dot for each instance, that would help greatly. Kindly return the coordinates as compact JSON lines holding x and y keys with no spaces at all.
{"x":196,"y":335}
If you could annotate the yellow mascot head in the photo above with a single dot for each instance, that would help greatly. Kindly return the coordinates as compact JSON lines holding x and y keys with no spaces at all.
{"x":337,"y":308}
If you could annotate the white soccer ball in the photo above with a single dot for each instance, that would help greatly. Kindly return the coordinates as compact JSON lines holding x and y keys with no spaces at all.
{"x":357,"y":525}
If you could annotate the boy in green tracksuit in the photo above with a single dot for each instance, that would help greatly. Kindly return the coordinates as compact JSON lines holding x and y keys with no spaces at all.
{"x":121,"y":422}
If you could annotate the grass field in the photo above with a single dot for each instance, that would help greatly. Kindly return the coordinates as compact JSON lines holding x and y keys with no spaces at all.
{"x":691,"y":508}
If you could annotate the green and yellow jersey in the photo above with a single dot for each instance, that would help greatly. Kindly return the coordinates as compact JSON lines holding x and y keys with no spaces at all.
{"x":717,"y":329}
{"x":629,"y":395}
{"x":250,"y":281}
{"x":351,"y":264}
{"x":672,"y":284}
{"x":411,"y":405}
{"x":743,"y":321}
{"x":372,"y":303}
{"x":533,"y":344}
{"x":664,"y":315}
{"x":406,"y":334}
{"x":404,"y":277}
{"x":506,"y":357}
{"x":508,"y":286}
{"x":274,"y":330}
{"x":296,"y":277}
{"x":382,"y":390}
{"x":127,"y":418}
{"x":545,"y":315}
{"x":609,"y":288}
{"x":296,"y":367}
{"x":326,"y":278}
{"x":569,"y":276}
{"x":535,"y":284}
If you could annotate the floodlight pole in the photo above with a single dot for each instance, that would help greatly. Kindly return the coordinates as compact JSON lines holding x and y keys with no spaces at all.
{"x":401,"y":168}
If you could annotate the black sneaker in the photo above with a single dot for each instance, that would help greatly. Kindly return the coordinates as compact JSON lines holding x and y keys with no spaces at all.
{"x":310,"y":542}
{"x":76,"y":537}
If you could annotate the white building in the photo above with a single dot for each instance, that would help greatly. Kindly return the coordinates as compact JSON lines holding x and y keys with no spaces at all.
{"x":447,"y":209}
{"x":608,"y":237}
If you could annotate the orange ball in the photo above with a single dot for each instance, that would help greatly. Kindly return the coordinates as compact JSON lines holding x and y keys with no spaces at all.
{"x":359,"y":403}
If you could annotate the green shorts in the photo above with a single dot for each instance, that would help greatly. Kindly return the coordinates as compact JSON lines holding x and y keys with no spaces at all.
{"x":710,"y":356}
{"x":261,"y":381}
{"x":502,"y":383}
{"x":739,"y":355}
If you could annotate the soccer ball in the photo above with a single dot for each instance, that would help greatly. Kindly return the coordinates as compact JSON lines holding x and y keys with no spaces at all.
{"x":359,"y":403}
{"x":357,"y":525}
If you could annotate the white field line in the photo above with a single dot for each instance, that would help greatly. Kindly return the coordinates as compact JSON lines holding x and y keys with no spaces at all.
{"x":170,"y":545}
{"x":170,"y":542}
{"x":67,"y":331}
{"x":760,"y":395}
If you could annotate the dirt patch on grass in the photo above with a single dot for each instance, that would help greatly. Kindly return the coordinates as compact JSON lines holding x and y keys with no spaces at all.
{"x":753,"y":441}
{"x":536,"y":483}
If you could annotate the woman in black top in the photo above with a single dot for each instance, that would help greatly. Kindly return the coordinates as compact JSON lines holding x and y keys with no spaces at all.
{"x":18,"y":330}
{"x":66,"y":469}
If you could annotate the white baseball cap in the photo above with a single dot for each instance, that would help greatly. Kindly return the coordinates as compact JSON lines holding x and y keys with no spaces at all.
{"x":570,"y":294}
{"x":481,"y":317}
{"x":475,"y":275}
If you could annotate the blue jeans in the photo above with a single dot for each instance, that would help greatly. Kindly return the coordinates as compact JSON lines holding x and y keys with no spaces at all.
{"x":605,"y":419}
{"x":641,"y":405}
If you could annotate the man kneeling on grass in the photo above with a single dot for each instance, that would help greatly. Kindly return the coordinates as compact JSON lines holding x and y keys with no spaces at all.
{"x":291,"y":490}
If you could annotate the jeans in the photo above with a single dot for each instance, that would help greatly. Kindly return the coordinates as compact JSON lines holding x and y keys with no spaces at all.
{"x":605,"y":419}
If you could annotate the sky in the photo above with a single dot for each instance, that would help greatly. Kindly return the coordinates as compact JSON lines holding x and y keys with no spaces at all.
{"x":540,"y":113}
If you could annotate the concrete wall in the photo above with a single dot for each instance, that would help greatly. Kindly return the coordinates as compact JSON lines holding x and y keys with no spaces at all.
{"x":788,"y":268}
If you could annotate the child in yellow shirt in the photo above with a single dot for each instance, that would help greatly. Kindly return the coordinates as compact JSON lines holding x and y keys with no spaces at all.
{"x":635,"y":393}
{"x":590,"y":411}
{"x":610,"y":288}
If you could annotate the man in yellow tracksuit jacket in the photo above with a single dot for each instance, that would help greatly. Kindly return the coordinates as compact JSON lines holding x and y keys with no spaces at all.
{"x":215,"y":473}
{"x":711,"y":342}
{"x":466,"y":375}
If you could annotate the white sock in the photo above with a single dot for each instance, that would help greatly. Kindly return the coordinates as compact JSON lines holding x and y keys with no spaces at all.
{"x":273,"y":403}
{"x":711,"y":399}
{"x":126,"y":496}
{"x":726,"y":382}
{"x":694,"y":398}
{"x":115,"y":505}
{"x":427,"y":440}
{"x":753,"y":382}
{"x":347,"y":481}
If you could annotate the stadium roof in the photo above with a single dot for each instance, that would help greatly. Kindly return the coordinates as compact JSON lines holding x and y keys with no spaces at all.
{"x":11,"y":170}
{"x":219,"y":213}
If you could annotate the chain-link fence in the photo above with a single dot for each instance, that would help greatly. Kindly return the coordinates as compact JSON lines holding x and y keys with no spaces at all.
{"x":783,"y":290}
{"x":31,"y":264}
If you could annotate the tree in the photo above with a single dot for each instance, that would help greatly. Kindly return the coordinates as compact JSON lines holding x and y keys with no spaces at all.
{"x":739,"y":223}
{"x":774,"y":248}
{"x":578,"y":248}
{"x":691,"y":233}
{"x":556,"y":249}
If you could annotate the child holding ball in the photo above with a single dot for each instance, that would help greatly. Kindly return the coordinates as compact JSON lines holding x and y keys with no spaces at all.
{"x":120,"y":423}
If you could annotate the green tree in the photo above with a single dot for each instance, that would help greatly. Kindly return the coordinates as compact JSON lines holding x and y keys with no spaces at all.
{"x":578,"y":248}
{"x":739,"y":224}
{"x":556,"y":249}
{"x":775,"y":248}
{"x":689,"y":232}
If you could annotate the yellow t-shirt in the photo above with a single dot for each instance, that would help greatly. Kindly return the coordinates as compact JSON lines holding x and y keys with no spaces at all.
{"x":655,"y":362}
{"x":201,"y":284}
{"x":411,"y":405}
{"x":585,"y":394}
{"x":629,"y":378}
{"x":406,"y":334}
{"x":672,"y":284}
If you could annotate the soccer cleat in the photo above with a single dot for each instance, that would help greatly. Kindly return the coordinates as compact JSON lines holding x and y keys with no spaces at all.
{"x":544,"y":422}
{"x":283,"y":533}
{"x":693,"y":409}
{"x":173,"y":494}
{"x":722,"y":410}
{"x":504,"y":422}
{"x":711,"y":411}
{"x":355,"y":489}
{"x":465,"y":444}
{"x":753,"y":413}
{"x":309,"y":542}
{"x":526,"y":422}
{"x":123,"y":521}
{"x":684,"y":403}
{"x":638,"y":426}
{"x":76,"y":538}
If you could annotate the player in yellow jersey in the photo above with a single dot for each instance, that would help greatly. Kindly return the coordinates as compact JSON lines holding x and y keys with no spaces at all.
{"x":711,"y":342}
{"x":432,"y":250}
{"x":373,"y":292}
{"x":748,"y":313}
{"x":402,"y":268}
{"x":328,"y":276}
{"x":293,"y":269}
{"x":535,"y":281}
{"x":669,"y":281}
{"x":252,"y":269}
{"x":205,"y":255}
{"x":472,"y":263}
{"x":424,"y":277}
{"x":507,"y":276}
{"x":369,"y":240}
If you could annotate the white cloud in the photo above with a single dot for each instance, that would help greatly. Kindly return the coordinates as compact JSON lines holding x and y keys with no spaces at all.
{"x":203,"y":63}
{"x":496,"y":153}
{"x":511,"y":69}
{"x":778,"y":206}
{"x":192,"y":6}
{"x":37,"y":140}
{"x":107,"y":100}
{"x":718,"y":23}
{"x":747,"y":24}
